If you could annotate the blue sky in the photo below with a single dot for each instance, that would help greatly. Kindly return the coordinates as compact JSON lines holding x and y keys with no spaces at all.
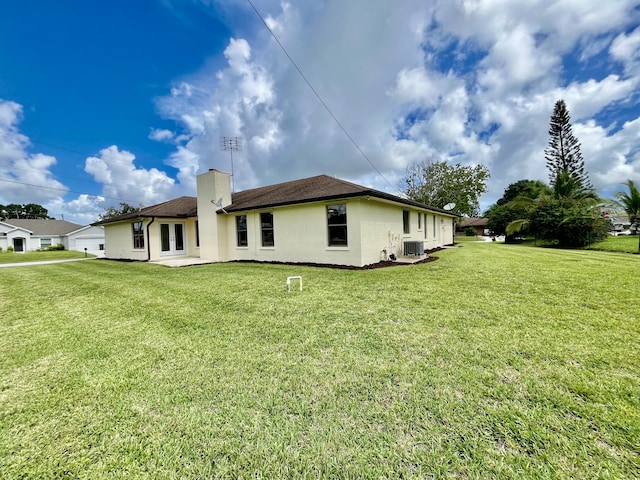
{"x":102,"y":102}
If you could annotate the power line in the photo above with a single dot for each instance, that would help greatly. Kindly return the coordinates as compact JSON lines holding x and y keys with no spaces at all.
{"x":344,"y":130}
{"x":66,"y":190}
{"x":39,"y":169}
{"x":58,"y":147}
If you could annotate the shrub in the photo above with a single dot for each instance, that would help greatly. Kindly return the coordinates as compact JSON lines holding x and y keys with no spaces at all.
{"x":10,"y":248}
{"x":569,"y":222}
{"x":470,"y":231}
{"x":56,"y":247}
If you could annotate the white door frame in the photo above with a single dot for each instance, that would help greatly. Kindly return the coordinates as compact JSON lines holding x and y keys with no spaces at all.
{"x":172,"y":238}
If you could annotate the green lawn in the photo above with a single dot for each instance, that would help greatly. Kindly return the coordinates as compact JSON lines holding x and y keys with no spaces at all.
{"x":628,"y":243}
{"x":496,"y":361}
{"x":12,"y":257}
{"x":464,"y":238}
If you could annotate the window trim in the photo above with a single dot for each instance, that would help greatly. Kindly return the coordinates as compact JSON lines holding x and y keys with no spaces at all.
{"x":426,"y":217}
{"x":242,"y":243}
{"x":330,"y":225}
{"x":138,"y":235}
{"x":406,"y":222}
{"x":264,"y":230}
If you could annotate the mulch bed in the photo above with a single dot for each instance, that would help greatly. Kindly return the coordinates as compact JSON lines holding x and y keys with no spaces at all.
{"x":381,"y":264}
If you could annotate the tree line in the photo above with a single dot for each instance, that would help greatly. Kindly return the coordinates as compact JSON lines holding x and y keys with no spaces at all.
{"x":28,"y":210}
{"x":567,"y":211}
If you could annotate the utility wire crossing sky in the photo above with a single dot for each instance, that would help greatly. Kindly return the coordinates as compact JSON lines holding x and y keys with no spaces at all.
{"x":102,"y":103}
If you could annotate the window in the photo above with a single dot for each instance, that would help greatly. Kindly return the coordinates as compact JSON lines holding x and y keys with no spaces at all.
{"x":101,"y":246}
{"x":405,"y":221}
{"x":138,"y":235}
{"x":266,"y":222}
{"x":45,"y":242}
{"x":434,"y":226}
{"x":165,"y":242}
{"x":178,"y":230}
{"x":197,"y":234}
{"x":425,"y":225}
{"x":419,"y":221}
{"x":241,"y":230}
{"x":337,"y":225}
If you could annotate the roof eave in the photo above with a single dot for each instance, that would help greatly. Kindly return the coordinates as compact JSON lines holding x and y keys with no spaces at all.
{"x":324,"y":198}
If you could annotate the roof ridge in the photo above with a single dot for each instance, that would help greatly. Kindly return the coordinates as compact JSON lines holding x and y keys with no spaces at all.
{"x":273,"y":185}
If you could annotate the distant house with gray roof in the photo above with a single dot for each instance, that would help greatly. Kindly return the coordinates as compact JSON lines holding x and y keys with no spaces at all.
{"x":24,"y":235}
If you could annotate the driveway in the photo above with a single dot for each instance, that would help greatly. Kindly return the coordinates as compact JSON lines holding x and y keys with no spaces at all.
{"x":44,"y":262}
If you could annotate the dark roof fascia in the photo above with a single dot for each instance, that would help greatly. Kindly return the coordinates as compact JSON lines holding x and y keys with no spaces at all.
{"x":121,"y":218}
{"x":363,"y":193}
{"x":138,"y":217}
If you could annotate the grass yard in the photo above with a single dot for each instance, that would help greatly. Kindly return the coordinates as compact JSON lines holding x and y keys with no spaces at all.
{"x":12,"y":257}
{"x":628,"y":243}
{"x":464,"y":238}
{"x":496,"y":361}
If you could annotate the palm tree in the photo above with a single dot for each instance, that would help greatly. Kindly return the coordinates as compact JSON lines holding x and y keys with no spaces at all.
{"x":630,"y":202}
{"x":566,"y":188}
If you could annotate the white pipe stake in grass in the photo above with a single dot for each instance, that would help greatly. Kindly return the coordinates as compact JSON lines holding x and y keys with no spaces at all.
{"x":289,"y":282}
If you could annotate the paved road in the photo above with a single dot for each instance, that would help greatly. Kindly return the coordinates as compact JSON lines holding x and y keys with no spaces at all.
{"x":44,"y":262}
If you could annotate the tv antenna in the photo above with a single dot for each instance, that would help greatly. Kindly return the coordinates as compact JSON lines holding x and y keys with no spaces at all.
{"x":231,"y":144}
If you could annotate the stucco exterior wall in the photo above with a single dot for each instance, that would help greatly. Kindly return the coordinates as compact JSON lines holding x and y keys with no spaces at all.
{"x":119,"y":241}
{"x":189,"y":238}
{"x":383,"y":229}
{"x":213,"y":186}
{"x":37,"y":241}
{"x":25,"y":235}
{"x":300,"y":235}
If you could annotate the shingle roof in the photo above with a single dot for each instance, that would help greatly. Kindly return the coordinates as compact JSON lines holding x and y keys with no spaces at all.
{"x":321,"y":187}
{"x":182,"y":207}
{"x":474,"y":222}
{"x":313,"y":189}
{"x":44,"y":226}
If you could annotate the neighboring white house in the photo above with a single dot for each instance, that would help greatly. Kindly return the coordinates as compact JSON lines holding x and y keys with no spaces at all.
{"x":321,"y":220}
{"x":25,"y":235}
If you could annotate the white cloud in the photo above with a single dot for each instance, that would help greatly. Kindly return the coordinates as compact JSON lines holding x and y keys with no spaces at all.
{"x":626,"y":49}
{"x":471,"y":81}
{"x":25,"y":177}
{"x":122,"y":181}
{"x":614,"y":158}
{"x":83,"y":210}
{"x":161,"y":135}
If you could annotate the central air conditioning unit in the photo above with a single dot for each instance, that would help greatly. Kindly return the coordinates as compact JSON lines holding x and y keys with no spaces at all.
{"x":413,"y":248}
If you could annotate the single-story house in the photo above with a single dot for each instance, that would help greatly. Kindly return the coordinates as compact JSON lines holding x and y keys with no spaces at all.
{"x":619,"y":222}
{"x":25,"y":235}
{"x":320,"y":220}
{"x":479,"y":224}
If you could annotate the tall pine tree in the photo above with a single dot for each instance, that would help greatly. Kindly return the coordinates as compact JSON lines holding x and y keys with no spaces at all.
{"x":563,"y":155}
